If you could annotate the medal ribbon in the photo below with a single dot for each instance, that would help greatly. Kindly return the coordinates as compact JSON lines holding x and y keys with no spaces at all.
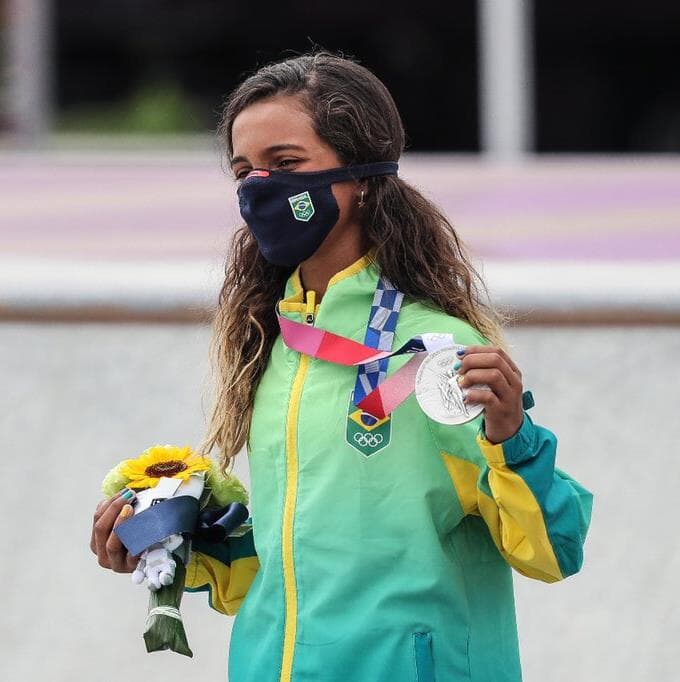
{"x":386,"y":395}
{"x":324,"y":345}
{"x":382,"y":321}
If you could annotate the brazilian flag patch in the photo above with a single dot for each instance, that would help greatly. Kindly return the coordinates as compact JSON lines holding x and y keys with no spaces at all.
{"x":365,"y":433}
{"x":302,"y":206}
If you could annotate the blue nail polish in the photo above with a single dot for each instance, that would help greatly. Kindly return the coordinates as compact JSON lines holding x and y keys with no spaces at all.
{"x":460,"y":351}
{"x":457,"y":365}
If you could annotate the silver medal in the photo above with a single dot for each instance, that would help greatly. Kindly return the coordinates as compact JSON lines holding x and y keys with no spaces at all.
{"x":438,"y":392}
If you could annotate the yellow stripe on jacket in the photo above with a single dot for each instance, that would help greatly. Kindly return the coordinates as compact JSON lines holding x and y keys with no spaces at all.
{"x":226,"y":585}
{"x":512,"y":515}
{"x":537,"y":515}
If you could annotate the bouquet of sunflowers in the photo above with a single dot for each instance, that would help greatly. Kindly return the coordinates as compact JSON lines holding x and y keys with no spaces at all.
{"x":179,"y":495}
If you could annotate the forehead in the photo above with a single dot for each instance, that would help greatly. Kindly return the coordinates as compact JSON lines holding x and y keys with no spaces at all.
{"x":271,"y":121}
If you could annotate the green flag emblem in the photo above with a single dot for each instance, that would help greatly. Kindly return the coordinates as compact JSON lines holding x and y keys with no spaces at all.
{"x":367,"y":434}
{"x":302,"y":206}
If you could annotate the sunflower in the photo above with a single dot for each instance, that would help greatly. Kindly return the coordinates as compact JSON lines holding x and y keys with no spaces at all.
{"x":168,"y":461}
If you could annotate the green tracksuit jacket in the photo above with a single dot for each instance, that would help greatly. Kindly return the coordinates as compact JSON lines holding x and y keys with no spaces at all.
{"x":383,"y":559}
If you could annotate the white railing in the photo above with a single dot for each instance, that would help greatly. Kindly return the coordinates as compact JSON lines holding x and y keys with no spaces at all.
{"x":535,"y":290}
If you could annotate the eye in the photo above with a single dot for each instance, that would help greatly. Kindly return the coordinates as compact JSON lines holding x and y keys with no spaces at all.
{"x":241,"y":173}
{"x":287,"y":164}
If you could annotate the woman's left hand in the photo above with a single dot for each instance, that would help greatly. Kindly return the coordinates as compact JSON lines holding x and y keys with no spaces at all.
{"x":503,"y":411}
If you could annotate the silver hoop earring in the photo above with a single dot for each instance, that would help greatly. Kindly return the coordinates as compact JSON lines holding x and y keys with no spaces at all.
{"x":361,"y":199}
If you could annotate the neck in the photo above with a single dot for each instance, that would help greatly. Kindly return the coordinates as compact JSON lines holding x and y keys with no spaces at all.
{"x":317,"y":270}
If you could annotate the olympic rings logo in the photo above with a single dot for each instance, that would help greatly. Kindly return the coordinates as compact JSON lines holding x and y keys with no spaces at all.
{"x":371,"y":440}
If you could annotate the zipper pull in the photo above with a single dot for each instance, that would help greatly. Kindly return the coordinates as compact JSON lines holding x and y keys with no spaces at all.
{"x":311,"y":301}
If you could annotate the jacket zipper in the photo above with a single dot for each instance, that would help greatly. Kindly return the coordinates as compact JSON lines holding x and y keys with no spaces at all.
{"x":309,"y":308}
{"x":290,"y":499}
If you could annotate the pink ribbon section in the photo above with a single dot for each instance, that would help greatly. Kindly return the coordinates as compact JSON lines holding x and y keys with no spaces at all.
{"x":384,"y":399}
{"x":325,"y":345}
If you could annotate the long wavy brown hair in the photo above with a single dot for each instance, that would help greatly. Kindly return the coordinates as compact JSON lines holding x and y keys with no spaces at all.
{"x":411,"y":241}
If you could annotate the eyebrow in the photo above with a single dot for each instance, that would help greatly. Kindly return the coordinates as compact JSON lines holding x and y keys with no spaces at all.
{"x":271,"y":150}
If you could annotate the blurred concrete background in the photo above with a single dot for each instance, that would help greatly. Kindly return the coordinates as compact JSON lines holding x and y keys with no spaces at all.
{"x":548,"y":132}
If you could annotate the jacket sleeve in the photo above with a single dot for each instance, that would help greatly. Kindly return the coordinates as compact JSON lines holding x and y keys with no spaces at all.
{"x":537,"y":515}
{"x":224,"y":570}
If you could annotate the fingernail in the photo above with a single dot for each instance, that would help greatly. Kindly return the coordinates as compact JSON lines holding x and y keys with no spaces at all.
{"x":460,"y":352}
{"x":128,"y":494}
{"x":460,"y":378}
{"x":126,"y":512}
{"x":457,"y":365}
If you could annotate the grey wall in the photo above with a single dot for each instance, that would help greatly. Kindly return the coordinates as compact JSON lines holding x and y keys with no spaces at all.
{"x":76,"y":399}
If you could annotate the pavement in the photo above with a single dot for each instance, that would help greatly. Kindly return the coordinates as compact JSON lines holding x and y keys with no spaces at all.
{"x":77,"y":398}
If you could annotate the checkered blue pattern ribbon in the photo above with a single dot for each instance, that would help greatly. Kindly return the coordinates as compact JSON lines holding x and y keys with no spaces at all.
{"x":382,"y":322}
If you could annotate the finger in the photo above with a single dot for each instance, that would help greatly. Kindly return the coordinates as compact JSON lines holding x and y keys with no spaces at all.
{"x":104,"y":524}
{"x":489,"y":360}
{"x":101,"y":509}
{"x":481,"y":396}
{"x":132,"y":563}
{"x":115,"y":549}
{"x":493,"y":378}
{"x":97,"y":512}
{"x":103,"y":505}
{"x":511,"y":363}
{"x":473,"y":350}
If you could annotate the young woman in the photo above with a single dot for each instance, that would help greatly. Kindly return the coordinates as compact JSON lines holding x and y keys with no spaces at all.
{"x":383,"y":537}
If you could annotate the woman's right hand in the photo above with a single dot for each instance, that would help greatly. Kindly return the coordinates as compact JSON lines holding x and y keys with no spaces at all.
{"x":110,"y":551}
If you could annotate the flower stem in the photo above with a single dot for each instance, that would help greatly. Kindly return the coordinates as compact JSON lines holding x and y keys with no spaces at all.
{"x":165,"y":629}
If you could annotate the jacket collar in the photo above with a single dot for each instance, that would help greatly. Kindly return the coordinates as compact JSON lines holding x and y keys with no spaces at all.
{"x":294,"y":297}
{"x":346,"y":303}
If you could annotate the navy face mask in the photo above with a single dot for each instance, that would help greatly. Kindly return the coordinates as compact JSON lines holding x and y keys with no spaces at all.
{"x":291,"y":213}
